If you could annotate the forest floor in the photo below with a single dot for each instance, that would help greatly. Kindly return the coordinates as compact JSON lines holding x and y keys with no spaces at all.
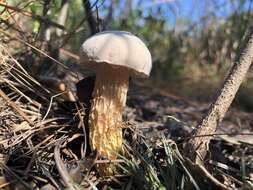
{"x":36,"y":126}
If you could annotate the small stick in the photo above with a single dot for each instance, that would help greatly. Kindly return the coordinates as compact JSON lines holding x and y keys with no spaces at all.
{"x":69,"y":183}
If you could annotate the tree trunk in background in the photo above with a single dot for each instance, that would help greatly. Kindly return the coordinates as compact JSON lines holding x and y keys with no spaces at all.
{"x":108,"y":19}
{"x":53,"y":44}
{"x":90,"y":18}
{"x":197,"y":148}
{"x":44,"y":26}
{"x":62,"y":16}
{"x":129,"y":8}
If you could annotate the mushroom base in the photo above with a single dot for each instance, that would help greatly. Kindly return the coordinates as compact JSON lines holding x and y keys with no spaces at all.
{"x":105,"y":120}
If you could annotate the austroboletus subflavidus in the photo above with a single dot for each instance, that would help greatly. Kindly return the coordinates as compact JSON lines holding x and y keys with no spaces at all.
{"x":114,"y":56}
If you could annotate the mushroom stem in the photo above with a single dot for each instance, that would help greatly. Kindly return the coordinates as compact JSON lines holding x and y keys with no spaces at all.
{"x":105,"y":120}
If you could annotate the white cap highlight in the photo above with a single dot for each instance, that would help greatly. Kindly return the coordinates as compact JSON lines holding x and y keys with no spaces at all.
{"x":117,"y":49}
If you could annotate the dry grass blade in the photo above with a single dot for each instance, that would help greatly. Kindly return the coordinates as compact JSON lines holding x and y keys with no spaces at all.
{"x":15,"y":107}
{"x":29,"y":125}
{"x":38,"y":50}
{"x":10,"y":172}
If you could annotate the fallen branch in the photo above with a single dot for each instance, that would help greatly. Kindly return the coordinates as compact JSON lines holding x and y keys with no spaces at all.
{"x":197,"y":148}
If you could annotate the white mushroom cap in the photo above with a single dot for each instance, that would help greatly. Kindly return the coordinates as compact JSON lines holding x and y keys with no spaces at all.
{"x":117,"y":49}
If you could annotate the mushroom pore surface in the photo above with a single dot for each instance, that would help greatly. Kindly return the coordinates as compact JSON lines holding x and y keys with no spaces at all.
{"x":105,"y":120}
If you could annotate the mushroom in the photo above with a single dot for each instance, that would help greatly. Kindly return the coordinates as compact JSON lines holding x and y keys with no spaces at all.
{"x":114,"y":56}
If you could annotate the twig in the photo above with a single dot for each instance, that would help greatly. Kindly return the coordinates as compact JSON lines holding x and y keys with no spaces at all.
{"x":81,"y":124}
{"x":36,"y":17}
{"x":69,"y":183}
{"x":50,"y":104}
{"x":201,"y":170}
{"x":109,"y":161}
{"x":7,"y":183}
{"x":214,"y":134}
{"x":70,"y":54}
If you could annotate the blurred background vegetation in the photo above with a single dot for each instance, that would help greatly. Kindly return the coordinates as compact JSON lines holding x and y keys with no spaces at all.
{"x":193,"y":42}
